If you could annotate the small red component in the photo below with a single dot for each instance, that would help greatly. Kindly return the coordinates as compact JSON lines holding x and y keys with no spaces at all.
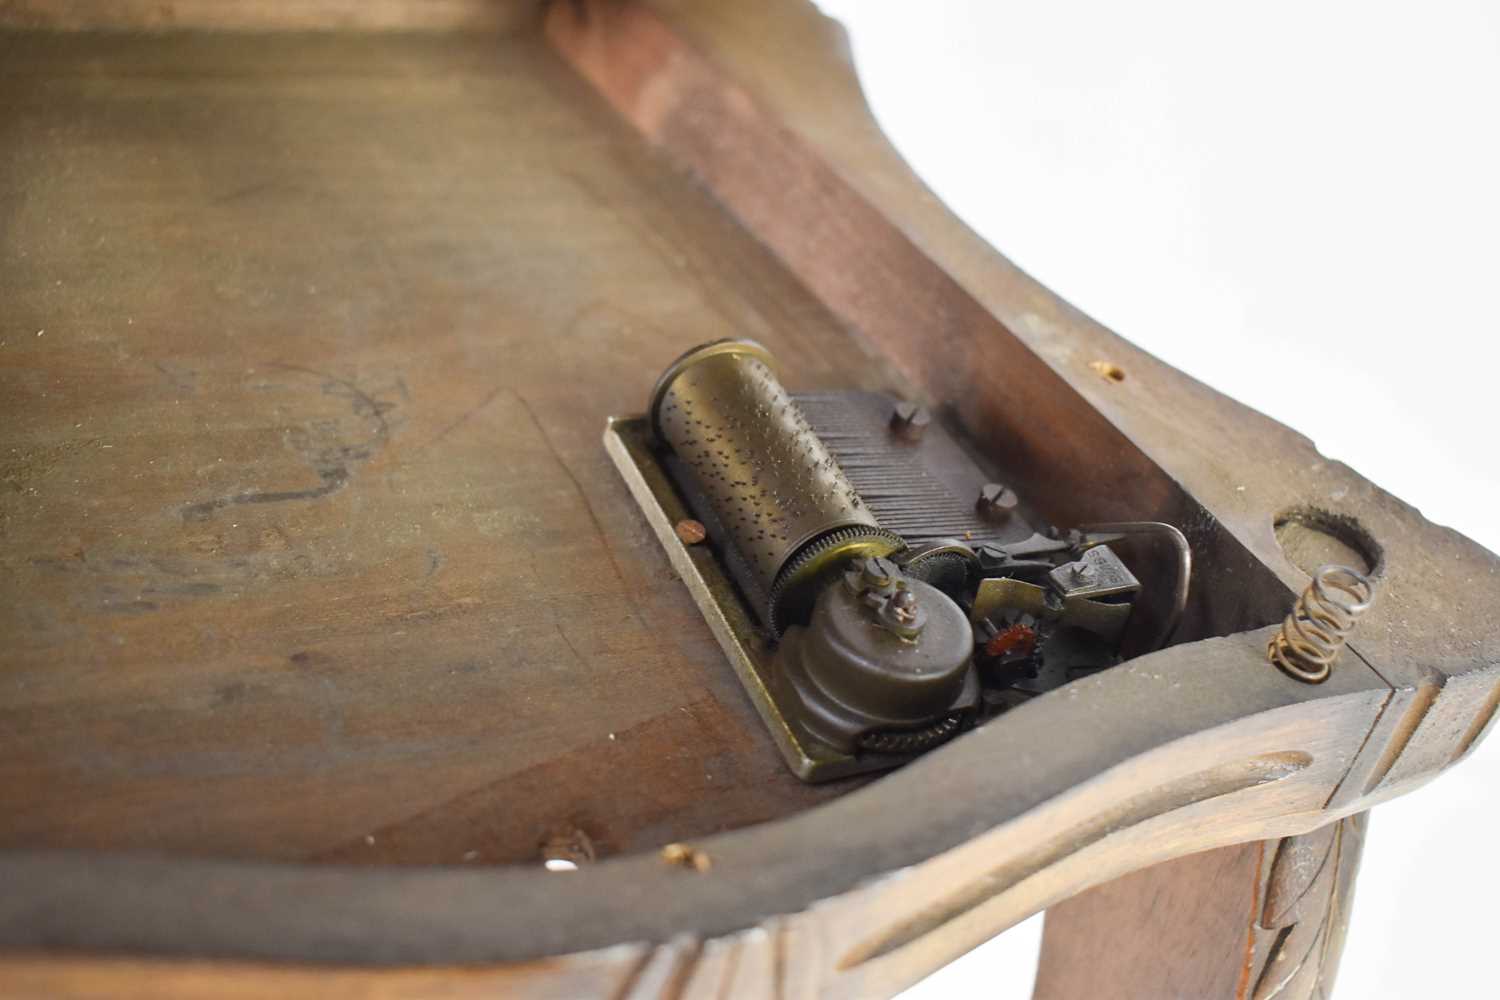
{"x":1016,"y":638}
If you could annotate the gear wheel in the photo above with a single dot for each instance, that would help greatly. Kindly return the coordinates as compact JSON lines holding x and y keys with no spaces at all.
{"x":948,"y":566}
{"x":912,"y":740}
{"x":791,"y":584}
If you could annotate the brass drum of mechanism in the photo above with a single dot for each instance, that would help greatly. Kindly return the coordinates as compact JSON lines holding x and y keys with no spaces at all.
{"x":774,"y":486}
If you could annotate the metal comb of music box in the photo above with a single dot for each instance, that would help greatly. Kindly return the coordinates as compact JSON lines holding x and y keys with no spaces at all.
{"x":876,"y":588}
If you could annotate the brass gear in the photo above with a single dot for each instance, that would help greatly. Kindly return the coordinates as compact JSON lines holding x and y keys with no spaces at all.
{"x":794,"y":589}
{"x":912,"y":740}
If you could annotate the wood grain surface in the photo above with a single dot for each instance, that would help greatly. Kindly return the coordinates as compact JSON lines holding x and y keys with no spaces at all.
{"x":268,"y":15}
{"x":1259,"y":921}
{"x":309,"y":546}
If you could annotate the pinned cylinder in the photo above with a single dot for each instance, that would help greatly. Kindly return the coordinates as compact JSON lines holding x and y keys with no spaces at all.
{"x":773,"y":485}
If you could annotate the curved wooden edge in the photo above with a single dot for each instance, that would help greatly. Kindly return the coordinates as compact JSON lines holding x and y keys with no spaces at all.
{"x":95,"y":977}
{"x":1257,"y":921}
{"x":1206,"y":747}
{"x":259,"y":15}
{"x":1254,"y":921}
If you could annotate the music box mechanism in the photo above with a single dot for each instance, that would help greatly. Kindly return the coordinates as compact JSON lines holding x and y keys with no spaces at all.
{"x":876,"y":588}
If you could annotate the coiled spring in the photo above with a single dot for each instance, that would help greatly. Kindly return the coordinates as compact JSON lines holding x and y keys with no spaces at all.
{"x":1314,"y":633}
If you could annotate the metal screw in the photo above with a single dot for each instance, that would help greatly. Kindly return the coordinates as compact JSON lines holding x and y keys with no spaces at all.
{"x":691,"y":532}
{"x":686,"y":856}
{"x":880,"y":572}
{"x":1081,"y":572}
{"x":567,"y":848}
{"x":904,"y":606}
{"x":909,"y":421}
{"x":991,"y":556}
{"x":996,"y":501}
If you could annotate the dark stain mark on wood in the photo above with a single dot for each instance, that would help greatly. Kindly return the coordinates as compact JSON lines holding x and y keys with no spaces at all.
{"x":333,"y":479}
{"x":310,"y":659}
{"x":130,"y":584}
{"x":181,"y":377}
{"x":228,"y":694}
{"x":191,"y":588}
{"x":246,"y":191}
{"x":332,"y":458}
{"x":136,"y":607}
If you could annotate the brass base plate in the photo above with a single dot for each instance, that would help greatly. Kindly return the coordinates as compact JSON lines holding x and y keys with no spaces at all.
{"x":628,"y":441}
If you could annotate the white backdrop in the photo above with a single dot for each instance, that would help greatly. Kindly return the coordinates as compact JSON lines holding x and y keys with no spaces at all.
{"x":1297,"y":204}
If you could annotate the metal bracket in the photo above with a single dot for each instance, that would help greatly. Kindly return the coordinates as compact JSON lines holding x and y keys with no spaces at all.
{"x":629,"y":443}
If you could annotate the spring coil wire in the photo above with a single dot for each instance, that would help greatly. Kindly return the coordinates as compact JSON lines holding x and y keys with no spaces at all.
{"x":1314,"y":633}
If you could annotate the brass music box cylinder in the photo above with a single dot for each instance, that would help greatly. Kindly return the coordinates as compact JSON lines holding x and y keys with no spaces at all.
{"x":772,"y":485}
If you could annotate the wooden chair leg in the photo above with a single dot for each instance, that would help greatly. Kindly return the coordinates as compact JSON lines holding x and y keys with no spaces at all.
{"x":1252,"y":922}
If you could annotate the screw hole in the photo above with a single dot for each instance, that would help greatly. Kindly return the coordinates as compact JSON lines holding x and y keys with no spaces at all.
{"x":567,"y":849}
{"x":1109,"y":370}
